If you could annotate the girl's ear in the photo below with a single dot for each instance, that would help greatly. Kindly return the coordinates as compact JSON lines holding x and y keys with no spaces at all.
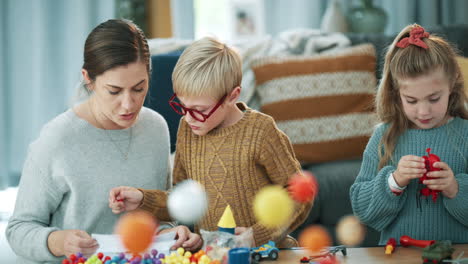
{"x":233,"y":97}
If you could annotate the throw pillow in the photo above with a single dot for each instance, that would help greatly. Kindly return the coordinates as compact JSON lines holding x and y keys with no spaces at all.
{"x":463,"y":63}
{"x":324,"y":103}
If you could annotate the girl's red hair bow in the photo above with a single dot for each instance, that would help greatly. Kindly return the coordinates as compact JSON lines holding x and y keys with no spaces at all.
{"x":415,"y":38}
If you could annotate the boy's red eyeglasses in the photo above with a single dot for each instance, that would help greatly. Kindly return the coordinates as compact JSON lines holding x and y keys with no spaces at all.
{"x":199,"y":116}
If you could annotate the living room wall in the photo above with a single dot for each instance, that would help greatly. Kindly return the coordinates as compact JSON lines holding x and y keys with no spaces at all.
{"x":41,"y":55}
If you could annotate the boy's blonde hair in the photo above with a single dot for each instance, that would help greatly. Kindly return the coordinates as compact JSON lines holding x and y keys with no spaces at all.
{"x":409,"y":62}
{"x":207,"y":68}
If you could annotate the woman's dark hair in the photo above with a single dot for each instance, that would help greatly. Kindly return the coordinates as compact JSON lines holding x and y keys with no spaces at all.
{"x":114,"y":43}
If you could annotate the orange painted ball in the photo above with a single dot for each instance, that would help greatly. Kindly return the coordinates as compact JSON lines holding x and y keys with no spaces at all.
{"x":136,"y":231}
{"x":314,"y":238}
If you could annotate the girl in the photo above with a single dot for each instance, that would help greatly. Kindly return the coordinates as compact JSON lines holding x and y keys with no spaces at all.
{"x":422,"y":105}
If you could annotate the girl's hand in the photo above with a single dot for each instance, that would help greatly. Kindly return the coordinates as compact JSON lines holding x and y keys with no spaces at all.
{"x":124,"y":198}
{"x":443,"y":180}
{"x":185,"y":238}
{"x":409,"y":167}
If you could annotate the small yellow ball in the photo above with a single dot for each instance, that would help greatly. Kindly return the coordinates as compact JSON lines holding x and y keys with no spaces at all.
{"x":180,"y":251}
{"x":203,"y":258}
{"x":272,"y":206}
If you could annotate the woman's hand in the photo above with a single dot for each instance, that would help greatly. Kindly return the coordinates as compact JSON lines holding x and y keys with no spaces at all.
{"x":67,"y":242}
{"x":409,"y":167}
{"x":442,"y":180}
{"x":124,"y":198}
{"x":185,"y":238}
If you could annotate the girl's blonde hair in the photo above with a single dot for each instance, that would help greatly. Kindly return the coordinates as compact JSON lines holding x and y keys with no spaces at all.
{"x":409,"y":62}
{"x":207,"y":67}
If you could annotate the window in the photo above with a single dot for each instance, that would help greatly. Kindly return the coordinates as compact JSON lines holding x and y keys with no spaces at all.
{"x":229,"y":20}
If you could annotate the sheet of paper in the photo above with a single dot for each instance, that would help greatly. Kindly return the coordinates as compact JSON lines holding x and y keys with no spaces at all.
{"x":111,"y":244}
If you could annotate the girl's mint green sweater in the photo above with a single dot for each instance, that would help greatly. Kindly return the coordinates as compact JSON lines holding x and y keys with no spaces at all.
{"x":377,"y":206}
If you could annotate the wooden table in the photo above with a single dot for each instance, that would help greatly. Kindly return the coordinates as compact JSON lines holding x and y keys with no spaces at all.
{"x":367,"y":255}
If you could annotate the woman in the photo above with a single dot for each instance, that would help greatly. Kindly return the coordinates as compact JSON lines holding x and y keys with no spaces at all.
{"x":109,"y":139}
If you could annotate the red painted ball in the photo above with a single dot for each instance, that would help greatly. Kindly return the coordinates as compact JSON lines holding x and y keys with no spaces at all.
{"x":303,"y":187}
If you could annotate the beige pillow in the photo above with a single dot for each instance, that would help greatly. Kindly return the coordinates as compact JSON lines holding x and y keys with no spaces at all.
{"x":463,"y":62}
{"x":323,"y":103}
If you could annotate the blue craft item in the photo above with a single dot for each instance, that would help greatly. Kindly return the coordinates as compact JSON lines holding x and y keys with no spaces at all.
{"x":239,"y":256}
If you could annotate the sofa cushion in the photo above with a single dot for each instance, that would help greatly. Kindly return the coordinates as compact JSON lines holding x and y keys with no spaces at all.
{"x":332,"y":202}
{"x":322,"y":102}
{"x":334,"y":180}
{"x":160,"y":90}
{"x":380,"y":42}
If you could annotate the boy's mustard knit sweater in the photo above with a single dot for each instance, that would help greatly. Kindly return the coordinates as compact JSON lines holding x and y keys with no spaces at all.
{"x":233,"y":163}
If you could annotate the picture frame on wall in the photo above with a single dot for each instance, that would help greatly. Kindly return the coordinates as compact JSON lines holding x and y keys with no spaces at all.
{"x":247,"y":19}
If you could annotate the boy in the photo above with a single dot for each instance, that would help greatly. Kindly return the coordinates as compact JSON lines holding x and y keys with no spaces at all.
{"x":232,"y":150}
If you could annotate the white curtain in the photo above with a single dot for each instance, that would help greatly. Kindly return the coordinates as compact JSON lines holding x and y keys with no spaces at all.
{"x":41,"y":49}
{"x":4,"y":179}
{"x":182,"y":14}
{"x":285,"y":15}
{"x":428,"y":13}
{"x":282,"y":15}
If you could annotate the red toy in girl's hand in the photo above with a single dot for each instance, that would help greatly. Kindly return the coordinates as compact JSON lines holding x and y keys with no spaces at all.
{"x":429,"y":161}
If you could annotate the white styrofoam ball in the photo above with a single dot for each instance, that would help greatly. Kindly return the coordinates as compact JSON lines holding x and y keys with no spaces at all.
{"x":350,"y":231}
{"x":187,"y":202}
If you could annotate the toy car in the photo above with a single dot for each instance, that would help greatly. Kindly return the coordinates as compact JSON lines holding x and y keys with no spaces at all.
{"x":268,"y":250}
{"x":335,"y":249}
{"x":327,"y":255}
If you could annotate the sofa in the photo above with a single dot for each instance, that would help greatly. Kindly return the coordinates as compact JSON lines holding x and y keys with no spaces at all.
{"x":334,"y":177}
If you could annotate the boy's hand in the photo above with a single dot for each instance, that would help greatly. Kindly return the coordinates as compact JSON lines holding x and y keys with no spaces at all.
{"x":67,"y":242}
{"x":444,"y":180}
{"x":239,"y":230}
{"x":409,"y":167}
{"x":247,"y":232}
{"x":124,"y":198}
{"x":185,"y":238}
